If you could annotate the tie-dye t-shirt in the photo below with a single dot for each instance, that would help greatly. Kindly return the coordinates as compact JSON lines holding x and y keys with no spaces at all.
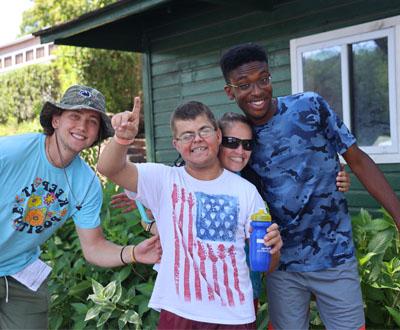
{"x":203,"y":274}
{"x":36,"y":199}
{"x":296,"y":155}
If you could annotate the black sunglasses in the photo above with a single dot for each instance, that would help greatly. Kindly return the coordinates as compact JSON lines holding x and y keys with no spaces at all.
{"x":233,"y":143}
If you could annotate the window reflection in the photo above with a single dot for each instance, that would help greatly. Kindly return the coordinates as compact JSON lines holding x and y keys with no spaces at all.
{"x":322,"y":74}
{"x":370,"y":92}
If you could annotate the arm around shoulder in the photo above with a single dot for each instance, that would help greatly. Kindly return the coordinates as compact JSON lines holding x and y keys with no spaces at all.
{"x":373,"y":180}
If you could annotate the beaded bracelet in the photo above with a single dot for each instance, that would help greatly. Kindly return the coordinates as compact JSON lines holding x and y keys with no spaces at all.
{"x":122,"y":141}
{"x":120,"y":255}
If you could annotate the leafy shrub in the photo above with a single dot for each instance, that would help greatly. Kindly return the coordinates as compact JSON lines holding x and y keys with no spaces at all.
{"x":378,"y":248}
{"x":71,"y":280}
{"x":24,"y":90}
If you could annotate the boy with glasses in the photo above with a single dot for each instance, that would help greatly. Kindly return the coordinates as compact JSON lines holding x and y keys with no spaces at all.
{"x":202,"y":214}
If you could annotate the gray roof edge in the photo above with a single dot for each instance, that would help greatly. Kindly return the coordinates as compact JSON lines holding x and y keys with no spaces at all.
{"x":96,"y":18}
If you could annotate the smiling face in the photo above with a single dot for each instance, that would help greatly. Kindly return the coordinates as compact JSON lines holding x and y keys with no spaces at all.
{"x":200,"y":154}
{"x":76,"y":129}
{"x":235,"y":159}
{"x":255,"y":102}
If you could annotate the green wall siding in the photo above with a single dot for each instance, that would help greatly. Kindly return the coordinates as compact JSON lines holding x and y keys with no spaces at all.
{"x":183,"y":60}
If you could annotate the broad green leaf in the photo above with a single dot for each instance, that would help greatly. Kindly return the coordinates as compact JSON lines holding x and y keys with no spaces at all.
{"x":80,"y":308}
{"x":123,"y":274}
{"x":366,"y":258}
{"x":118,"y":293}
{"x":80,"y":287}
{"x":122,"y":322}
{"x":109,"y":290}
{"x":97,"y":287}
{"x":395,"y":314}
{"x":133,"y":317}
{"x":381,"y":241}
{"x":145,"y":288}
{"x":55,"y":323}
{"x":92,"y":313}
{"x":103,"y":319}
{"x":378,"y":225}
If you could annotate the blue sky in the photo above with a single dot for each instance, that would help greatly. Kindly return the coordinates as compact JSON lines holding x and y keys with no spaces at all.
{"x":10,"y":18}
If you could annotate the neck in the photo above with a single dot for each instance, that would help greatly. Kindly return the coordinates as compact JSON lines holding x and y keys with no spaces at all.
{"x":269,"y":114}
{"x":55,"y":153}
{"x":205,"y":173}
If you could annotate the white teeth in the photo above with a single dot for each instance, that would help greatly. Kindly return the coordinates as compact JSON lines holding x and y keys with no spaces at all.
{"x":258,"y":102}
{"x":237,"y":159}
{"x":198,"y":149}
{"x":78,"y":136}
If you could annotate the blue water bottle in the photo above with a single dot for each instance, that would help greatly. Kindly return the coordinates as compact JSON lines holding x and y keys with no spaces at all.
{"x":259,"y":252}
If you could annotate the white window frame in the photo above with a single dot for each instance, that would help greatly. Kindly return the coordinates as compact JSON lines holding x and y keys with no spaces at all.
{"x":390,"y":28}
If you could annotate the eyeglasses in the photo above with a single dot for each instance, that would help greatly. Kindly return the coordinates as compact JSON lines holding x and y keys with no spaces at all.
{"x":233,"y":143}
{"x":261,"y":83}
{"x":204,"y":132}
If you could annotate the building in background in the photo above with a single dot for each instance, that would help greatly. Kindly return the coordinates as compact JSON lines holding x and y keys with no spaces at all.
{"x":25,"y":51}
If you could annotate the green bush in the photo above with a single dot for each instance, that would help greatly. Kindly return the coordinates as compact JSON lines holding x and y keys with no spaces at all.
{"x":24,"y":90}
{"x":128,"y":289}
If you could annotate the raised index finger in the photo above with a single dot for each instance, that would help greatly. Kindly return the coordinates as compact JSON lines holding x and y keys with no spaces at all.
{"x":136,"y":105}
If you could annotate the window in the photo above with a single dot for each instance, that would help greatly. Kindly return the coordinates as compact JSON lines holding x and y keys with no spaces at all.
{"x":1,"y":63}
{"x":19,"y":58}
{"x":7,"y":61}
{"x":39,"y":52}
{"x":355,"y":70}
{"x":29,"y":55}
{"x":52,"y":48}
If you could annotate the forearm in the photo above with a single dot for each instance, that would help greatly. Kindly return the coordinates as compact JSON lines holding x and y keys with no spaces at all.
{"x":114,"y":165}
{"x":376,"y":184}
{"x":112,"y":159}
{"x":107,"y":254}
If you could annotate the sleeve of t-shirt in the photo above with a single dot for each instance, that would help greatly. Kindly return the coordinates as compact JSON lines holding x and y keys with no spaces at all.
{"x":88,"y":216}
{"x":336,"y":131}
{"x":150,"y":179}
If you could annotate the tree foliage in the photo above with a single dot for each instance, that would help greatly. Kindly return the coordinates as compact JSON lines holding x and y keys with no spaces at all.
{"x":24,"y":90}
{"x":116,"y":74}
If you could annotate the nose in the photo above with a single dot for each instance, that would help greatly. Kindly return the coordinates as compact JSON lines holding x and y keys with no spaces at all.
{"x":197,"y":137}
{"x":255,"y":89}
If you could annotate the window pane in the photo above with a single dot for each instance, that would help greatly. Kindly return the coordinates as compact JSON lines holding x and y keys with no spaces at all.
{"x":322,"y":74}
{"x":370,"y":99}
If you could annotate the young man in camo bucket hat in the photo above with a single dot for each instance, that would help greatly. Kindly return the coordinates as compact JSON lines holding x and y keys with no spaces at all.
{"x":44,"y":182}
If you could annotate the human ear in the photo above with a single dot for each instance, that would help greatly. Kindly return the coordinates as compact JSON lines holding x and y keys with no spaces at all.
{"x":55,"y":121}
{"x":229,"y":92}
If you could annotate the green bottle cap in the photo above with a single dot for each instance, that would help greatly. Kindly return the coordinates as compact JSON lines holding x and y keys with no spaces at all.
{"x":260,"y":215}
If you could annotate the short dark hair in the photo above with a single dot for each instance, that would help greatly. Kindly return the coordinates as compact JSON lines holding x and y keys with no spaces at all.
{"x":49,"y":130}
{"x":190,"y":111}
{"x":239,"y":55}
{"x":230,"y":118}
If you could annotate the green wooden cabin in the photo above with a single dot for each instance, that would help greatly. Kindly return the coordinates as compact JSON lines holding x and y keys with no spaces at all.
{"x":347,"y":50}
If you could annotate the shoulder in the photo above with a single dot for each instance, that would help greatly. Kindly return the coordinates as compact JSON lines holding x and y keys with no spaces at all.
{"x":16,"y":144}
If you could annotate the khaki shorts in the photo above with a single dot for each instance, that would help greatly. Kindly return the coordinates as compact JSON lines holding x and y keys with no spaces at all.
{"x":25,"y":308}
{"x":337,"y":291}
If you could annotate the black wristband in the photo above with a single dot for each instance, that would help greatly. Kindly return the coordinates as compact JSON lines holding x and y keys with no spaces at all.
{"x":120,"y":255}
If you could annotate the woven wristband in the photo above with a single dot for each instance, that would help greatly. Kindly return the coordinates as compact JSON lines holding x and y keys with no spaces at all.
{"x":133,"y":254}
{"x":123,"y":142}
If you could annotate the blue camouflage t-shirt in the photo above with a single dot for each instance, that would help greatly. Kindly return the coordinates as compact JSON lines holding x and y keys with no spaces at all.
{"x":296,"y":155}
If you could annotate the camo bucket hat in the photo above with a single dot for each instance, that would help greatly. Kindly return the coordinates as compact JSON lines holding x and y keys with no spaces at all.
{"x":78,"y":97}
